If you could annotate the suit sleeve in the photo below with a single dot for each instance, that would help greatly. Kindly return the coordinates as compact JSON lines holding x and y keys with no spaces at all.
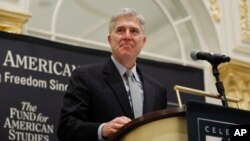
{"x":74,"y":124}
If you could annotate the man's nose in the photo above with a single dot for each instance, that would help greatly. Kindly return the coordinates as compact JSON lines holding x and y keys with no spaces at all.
{"x":127,"y":35}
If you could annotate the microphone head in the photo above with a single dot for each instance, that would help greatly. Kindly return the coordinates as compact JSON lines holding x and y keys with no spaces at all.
{"x":222,"y":58}
{"x":213,"y":58}
{"x":193,"y":54}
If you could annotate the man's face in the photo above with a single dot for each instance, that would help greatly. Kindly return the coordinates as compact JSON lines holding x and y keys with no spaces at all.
{"x":127,"y":38}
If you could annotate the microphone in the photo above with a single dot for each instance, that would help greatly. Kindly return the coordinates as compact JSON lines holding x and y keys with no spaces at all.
{"x":210,"y":57}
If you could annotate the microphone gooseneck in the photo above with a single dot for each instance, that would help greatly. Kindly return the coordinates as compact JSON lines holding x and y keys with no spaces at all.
{"x":215,"y":60}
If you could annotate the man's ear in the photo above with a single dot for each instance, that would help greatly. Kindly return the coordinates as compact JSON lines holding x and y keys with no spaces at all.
{"x":144,"y":40}
{"x":109,"y":39}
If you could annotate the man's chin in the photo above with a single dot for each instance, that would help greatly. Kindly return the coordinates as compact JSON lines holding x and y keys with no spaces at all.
{"x":126,"y":54}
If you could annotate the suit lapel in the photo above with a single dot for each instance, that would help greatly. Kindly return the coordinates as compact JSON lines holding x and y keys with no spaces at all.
{"x":114,"y":80}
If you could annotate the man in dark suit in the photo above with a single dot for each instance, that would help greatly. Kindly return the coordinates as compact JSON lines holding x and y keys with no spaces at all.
{"x":99,"y":99}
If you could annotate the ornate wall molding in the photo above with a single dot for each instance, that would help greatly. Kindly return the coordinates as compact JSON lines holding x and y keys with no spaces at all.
{"x":244,"y":21}
{"x":11,"y":21}
{"x":215,"y":11}
{"x":239,"y":27}
{"x":236,"y":78}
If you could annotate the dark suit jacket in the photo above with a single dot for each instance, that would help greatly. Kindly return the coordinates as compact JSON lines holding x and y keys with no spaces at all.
{"x":96,"y":94}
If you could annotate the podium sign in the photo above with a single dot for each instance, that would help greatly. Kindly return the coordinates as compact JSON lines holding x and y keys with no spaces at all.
{"x":208,"y":122}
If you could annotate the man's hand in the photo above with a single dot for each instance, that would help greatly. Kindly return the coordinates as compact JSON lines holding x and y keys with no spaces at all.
{"x":111,"y":127}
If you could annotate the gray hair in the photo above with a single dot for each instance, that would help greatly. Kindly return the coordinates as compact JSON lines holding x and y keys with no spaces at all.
{"x":127,"y":12}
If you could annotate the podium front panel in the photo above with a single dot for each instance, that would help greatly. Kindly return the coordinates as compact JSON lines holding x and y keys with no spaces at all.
{"x":208,"y":122}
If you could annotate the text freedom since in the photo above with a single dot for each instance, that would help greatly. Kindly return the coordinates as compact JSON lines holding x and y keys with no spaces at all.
{"x":52,"y":84}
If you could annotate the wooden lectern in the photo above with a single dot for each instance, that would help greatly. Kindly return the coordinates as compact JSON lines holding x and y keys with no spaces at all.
{"x":168,"y":124}
{"x":198,"y":121}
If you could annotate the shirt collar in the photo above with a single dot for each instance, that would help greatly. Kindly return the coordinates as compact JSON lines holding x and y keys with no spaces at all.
{"x":122,"y":69}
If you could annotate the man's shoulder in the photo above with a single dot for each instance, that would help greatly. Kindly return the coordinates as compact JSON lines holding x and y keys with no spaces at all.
{"x":90,"y":67}
{"x":89,"y":70}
